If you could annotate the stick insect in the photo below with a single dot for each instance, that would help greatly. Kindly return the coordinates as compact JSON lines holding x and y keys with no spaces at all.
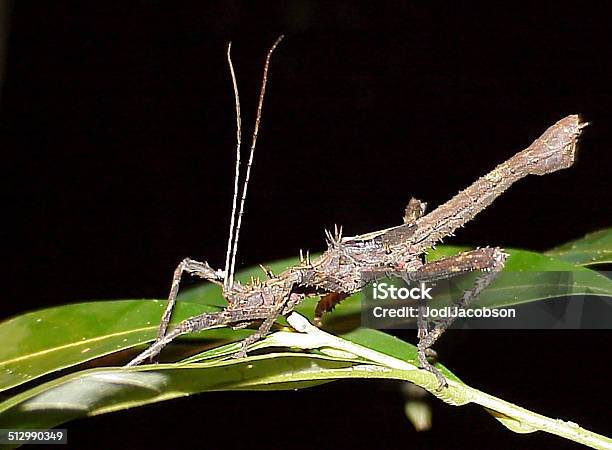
{"x":351,"y":263}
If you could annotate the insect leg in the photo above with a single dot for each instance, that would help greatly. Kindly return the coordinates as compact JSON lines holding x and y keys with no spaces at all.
{"x":264,"y":328}
{"x":193,"y":324}
{"x":415,"y":209}
{"x":205,"y":321}
{"x":488,"y":260}
{"x":202,"y":270}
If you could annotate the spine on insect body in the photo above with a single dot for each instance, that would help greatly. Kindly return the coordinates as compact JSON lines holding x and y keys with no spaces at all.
{"x":554,"y":150}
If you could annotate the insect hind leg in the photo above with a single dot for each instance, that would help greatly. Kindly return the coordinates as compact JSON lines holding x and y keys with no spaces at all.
{"x":488,"y":260}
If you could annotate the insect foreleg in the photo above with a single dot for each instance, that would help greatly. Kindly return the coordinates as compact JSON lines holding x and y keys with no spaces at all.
{"x":202,"y":270}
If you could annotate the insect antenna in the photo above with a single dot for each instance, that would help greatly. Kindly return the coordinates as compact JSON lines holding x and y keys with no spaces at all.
{"x":227,"y":280}
{"x":230,"y":274}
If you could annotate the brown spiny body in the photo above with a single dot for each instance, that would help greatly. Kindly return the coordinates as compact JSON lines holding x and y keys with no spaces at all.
{"x":350,"y":263}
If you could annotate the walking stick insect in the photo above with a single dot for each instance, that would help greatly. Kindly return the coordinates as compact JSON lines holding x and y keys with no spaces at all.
{"x":350,"y":263}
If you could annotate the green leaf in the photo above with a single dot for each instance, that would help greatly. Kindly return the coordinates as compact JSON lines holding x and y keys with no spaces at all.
{"x":56,"y":338}
{"x":392,"y":346}
{"x":102,"y":390}
{"x":594,"y":248}
{"x":99,"y":391}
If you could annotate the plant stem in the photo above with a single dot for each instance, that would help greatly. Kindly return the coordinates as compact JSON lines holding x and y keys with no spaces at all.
{"x":517,"y":419}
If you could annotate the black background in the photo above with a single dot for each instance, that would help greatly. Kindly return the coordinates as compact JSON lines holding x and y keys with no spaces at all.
{"x":117,"y":134}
